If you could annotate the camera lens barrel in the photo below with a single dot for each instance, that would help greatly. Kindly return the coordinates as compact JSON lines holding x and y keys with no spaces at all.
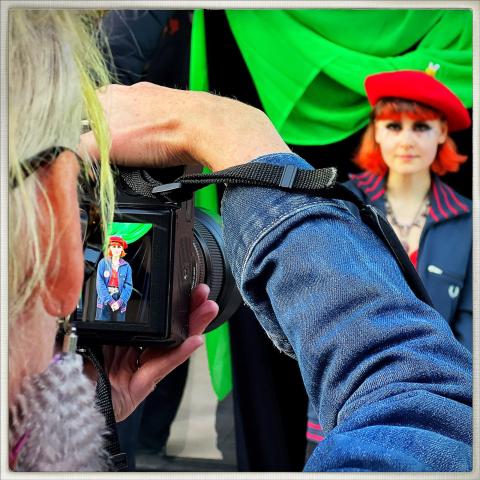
{"x":211,"y":266}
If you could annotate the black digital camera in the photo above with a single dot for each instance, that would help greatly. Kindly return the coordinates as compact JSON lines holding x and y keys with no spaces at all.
{"x":170,"y":246}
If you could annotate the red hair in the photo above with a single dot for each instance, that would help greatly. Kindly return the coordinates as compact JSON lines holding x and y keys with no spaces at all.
{"x":369,"y":157}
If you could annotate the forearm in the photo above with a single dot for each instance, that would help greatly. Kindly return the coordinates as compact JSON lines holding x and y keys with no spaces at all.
{"x":126,"y":293}
{"x":156,"y":126}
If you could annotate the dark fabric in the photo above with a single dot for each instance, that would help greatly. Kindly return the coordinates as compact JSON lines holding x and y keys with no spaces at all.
{"x":147,"y":429}
{"x":118,"y":459}
{"x":128,"y":434}
{"x":159,"y":410}
{"x":270,"y":402}
{"x":149,"y":45}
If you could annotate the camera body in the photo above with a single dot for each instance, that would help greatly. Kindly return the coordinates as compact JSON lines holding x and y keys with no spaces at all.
{"x":165,"y":257}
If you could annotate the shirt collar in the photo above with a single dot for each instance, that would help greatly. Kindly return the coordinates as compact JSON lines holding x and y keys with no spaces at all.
{"x":445,"y":203}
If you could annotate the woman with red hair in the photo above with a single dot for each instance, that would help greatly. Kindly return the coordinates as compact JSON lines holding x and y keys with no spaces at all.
{"x":403,"y":152}
{"x":114,"y":282}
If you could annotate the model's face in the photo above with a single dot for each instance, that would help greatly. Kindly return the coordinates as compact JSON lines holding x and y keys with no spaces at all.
{"x":408,"y":145}
{"x":116,"y":250}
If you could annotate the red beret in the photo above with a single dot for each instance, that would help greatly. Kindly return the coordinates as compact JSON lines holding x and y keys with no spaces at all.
{"x":419,"y":87}
{"x":119,"y":240}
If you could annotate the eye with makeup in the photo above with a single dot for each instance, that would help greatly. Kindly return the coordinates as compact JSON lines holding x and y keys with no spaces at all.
{"x":394,"y":126}
{"x":421,"y":127}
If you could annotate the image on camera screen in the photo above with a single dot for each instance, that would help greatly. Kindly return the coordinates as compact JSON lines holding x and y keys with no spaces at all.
{"x":120,"y":290}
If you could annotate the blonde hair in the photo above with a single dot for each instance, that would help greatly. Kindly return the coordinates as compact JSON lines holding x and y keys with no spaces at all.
{"x":55,"y":66}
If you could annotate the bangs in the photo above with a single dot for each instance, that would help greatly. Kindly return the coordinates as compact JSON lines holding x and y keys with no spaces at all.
{"x":393,"y":109}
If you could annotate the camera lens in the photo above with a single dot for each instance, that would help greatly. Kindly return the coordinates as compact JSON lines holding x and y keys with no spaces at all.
{"x":211,"y":267}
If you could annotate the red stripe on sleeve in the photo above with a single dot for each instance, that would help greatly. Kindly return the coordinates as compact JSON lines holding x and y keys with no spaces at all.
{"x":432,"y":214}
{"x":366,"y":181}
{"x":378,"y":195}
{"x":315,"y":426}
{"x":315,"y":438}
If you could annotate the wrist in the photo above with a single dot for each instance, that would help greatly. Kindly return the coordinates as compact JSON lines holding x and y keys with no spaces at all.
{"x":230,"y":133}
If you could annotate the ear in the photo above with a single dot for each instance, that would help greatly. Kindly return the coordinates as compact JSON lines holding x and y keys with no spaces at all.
{"x":443,"y":132}
{"x":64,"y":276}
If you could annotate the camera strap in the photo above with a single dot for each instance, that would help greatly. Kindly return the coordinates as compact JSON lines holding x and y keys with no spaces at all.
{"x":118,"y":459}
{"x":319,"y":182}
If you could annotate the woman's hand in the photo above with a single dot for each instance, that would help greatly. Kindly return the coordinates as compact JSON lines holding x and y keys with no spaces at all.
{"x":133,"y":376}
{"x":115,"y":306}
{"x":154,"y":126}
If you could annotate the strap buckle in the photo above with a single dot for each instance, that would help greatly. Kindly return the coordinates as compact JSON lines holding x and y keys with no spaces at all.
{"x":288,"y":176}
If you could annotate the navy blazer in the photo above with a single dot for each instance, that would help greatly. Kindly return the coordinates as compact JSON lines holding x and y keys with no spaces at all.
{"x":445,"y":249}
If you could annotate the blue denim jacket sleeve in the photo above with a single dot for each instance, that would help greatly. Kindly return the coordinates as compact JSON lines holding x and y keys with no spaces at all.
{"x":127,"y":286}
{"x":103,"y":295}
{"x":391,"y":384}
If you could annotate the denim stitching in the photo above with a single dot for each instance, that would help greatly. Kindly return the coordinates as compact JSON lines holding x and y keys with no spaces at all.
{"x":267,"y":229}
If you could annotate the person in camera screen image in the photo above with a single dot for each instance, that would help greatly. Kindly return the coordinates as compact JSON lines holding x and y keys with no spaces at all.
{"x":114,"y":282}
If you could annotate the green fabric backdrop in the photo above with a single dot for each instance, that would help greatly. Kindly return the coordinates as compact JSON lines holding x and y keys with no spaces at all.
{"x":130,"y":232}
{"x":217,"y":342}
{"x":309,"y":66}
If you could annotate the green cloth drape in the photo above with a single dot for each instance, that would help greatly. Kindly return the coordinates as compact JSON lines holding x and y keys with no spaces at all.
{"x":218,"y":341}
{"x":130,"y":232}
{"x":309,"y":66}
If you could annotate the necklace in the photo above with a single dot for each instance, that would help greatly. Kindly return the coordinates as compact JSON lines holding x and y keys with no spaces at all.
{"x":404,"y":229}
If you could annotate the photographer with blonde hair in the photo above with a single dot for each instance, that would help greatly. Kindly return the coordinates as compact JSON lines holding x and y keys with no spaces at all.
{"x":54,"y":68}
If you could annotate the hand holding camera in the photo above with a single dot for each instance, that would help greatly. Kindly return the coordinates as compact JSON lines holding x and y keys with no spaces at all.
{"x":134,"y":373}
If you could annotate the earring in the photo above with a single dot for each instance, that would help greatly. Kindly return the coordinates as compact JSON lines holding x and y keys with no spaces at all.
{"x":70,"y":335}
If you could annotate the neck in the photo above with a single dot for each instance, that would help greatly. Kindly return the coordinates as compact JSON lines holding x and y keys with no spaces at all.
{"x":411,"y":186}
{"x":115,"y":259}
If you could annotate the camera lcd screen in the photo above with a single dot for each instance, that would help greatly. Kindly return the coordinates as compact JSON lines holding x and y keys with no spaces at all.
{"x":129,"y":289}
